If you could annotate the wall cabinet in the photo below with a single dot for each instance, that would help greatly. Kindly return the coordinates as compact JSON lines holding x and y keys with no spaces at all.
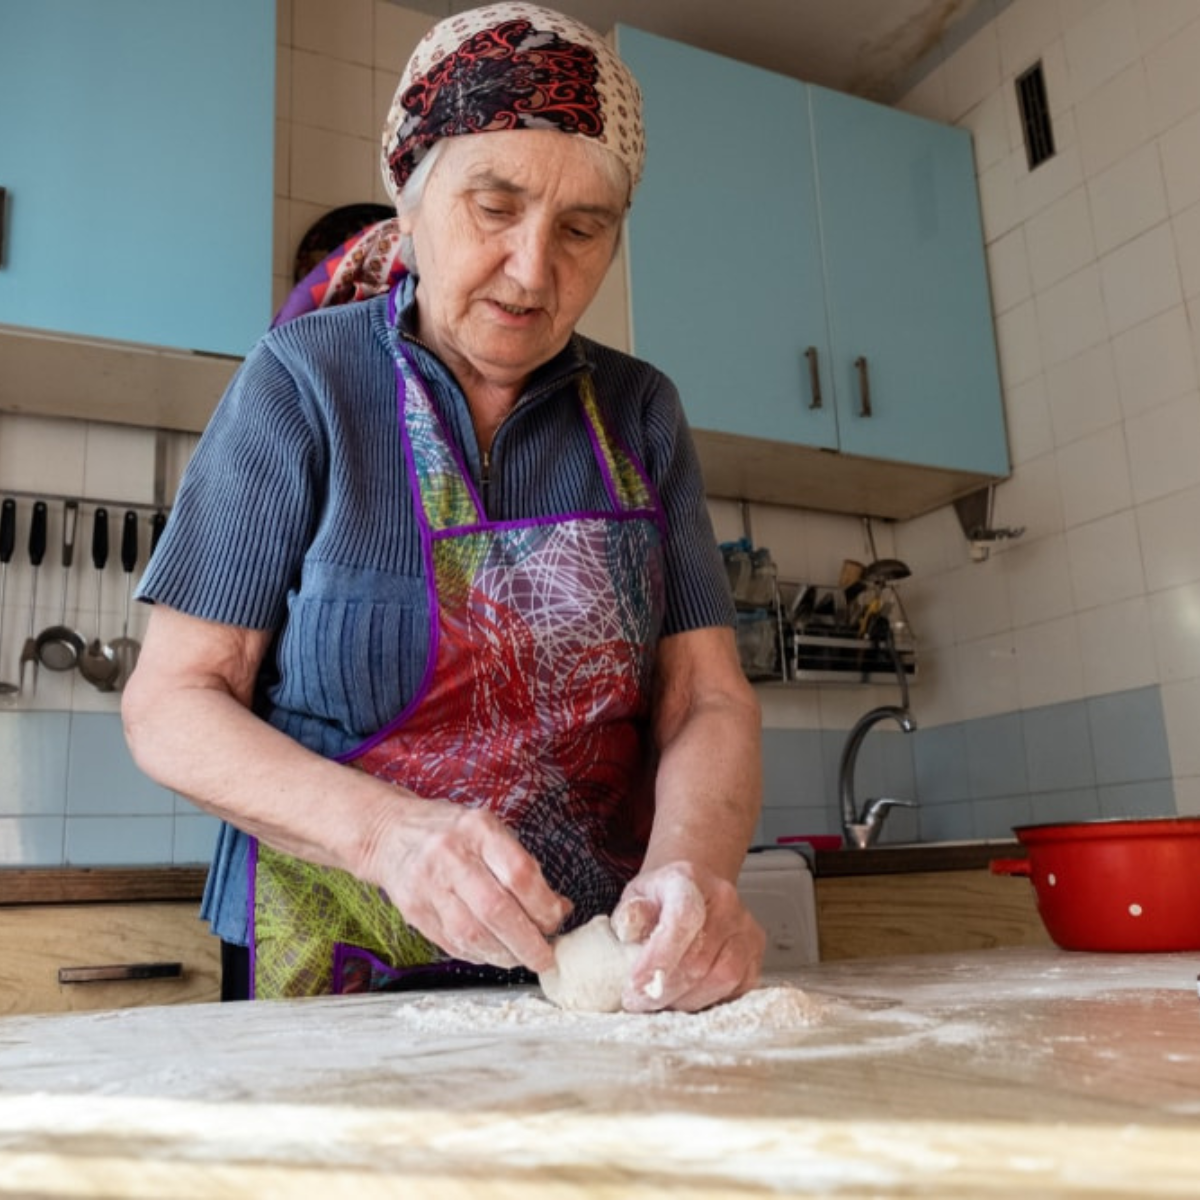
{"x":44,"y":946}
{"x":809,"y":268}
{"x":139,"y":163}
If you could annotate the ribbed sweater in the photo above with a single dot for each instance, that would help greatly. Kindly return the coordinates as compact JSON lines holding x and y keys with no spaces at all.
{"x":295,"y":515}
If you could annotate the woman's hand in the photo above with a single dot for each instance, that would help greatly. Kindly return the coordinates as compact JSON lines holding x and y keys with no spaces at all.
{"x":701,"y":944}
{"x":463,"y":880}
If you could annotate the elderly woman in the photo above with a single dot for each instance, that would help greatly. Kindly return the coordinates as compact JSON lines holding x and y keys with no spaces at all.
{"x":440,"y":628}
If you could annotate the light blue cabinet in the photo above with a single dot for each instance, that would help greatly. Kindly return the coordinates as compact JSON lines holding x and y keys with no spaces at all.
{"x":809,"y":268}
{"x":906,"y":287}
{"x":724,"y":243}
{"x":137,"y":149}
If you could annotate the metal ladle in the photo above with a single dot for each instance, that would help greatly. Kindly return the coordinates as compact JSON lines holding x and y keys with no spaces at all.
{"x":8,"y":541}
{"x":97,"y":662}
{"x":58,"y":647}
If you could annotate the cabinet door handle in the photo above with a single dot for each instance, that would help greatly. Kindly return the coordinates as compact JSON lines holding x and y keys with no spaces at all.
{"x":864,"y":387}
{"x":814,"y":376}
{"x":121,"y":971}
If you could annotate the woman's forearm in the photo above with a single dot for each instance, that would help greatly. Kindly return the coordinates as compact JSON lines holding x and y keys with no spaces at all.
{"x":189,"y":726}
{"x":206,"y":745}
{"x":708,"y":791}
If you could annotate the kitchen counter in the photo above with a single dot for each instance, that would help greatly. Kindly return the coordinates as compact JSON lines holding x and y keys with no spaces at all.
{"x":1017,"y":1072}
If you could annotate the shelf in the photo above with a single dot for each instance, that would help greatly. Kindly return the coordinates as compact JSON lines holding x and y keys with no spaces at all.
{"x":773,"y":652}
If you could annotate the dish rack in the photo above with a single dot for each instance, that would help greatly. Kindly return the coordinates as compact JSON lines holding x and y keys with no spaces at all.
{"x":796,"y":633}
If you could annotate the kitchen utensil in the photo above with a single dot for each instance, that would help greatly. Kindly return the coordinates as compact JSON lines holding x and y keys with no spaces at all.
{"x":158,"y":523}
{"x":8,"y":540}
{"x":37,"y":551}
{"x":58,"y":646}
{"x":97,"y":662}
{"x":885,"y":570}
{"x":1115,"y":885}
{"x":125,"y":648}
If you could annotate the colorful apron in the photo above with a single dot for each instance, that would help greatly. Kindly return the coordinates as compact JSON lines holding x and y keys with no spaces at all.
{"x":533,"y":705}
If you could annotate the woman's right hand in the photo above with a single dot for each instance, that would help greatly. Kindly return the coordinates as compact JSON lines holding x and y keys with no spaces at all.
{"x":462,"y":879}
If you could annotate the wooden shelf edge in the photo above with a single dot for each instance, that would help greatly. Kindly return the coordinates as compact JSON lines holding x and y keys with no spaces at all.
{"x":100,"y":885}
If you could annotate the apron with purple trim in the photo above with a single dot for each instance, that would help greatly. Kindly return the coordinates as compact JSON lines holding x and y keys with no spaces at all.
{"x":533,"y":705}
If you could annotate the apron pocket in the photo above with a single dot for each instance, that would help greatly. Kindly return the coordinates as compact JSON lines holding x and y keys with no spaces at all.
{"x":355,"y":659}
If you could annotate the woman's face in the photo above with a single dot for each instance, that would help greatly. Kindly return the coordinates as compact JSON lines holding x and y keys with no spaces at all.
{"x":513,"y":237}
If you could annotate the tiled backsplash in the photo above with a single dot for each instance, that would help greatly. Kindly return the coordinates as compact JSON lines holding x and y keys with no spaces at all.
{"x":1105,"y":756}
{"x":69,"y":791}
{"x":70,"y":794}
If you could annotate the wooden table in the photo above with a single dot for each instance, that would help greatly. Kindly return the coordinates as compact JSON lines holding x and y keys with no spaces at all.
{"x":1020,"y":1072}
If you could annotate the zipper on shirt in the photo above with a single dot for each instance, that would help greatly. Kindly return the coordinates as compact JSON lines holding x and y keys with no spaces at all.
{"x":485,"y":456}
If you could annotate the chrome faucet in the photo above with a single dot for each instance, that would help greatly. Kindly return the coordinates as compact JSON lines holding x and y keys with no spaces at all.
{"x":862,"y":828}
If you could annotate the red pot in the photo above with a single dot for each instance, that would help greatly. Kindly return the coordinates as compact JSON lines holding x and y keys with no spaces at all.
{"x":1124,"y":885}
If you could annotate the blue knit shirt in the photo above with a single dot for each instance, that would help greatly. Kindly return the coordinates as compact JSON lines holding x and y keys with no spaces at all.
{"x":295,"y":515}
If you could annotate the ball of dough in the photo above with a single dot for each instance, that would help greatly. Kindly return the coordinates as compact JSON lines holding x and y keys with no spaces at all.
{"x":591,"y":968}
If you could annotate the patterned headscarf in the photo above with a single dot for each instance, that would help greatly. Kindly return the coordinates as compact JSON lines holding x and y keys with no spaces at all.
{"x":512,"y":66}
{"x":500,"y":67}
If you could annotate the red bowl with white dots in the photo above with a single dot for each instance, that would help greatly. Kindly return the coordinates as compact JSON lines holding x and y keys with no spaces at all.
{"x":1120,"y":885}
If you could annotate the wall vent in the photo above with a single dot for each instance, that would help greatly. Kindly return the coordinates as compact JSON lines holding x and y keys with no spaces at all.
{"x":1035,"y":116}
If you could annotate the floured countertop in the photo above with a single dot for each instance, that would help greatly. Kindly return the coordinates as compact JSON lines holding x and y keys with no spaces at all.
{"x":1000,"y":1073}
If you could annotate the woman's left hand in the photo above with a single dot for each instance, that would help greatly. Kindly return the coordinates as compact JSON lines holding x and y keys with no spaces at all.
{"x":702,"y":945}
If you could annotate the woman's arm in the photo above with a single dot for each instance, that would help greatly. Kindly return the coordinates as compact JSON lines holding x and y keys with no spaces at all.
{"x":702,"y":944}
{"x":455,"y":873}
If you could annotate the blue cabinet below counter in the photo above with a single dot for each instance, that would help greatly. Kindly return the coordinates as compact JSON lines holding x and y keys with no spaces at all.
{"x":809,"y":269}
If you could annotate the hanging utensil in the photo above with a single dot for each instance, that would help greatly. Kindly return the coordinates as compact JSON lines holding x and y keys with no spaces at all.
{"x":37,"y":551}
{"x":58,"y":647}
{"x":158,"y":523}
{"x":125,"y":648}
{"x":97,"y":662}
{"x":8,"y":540}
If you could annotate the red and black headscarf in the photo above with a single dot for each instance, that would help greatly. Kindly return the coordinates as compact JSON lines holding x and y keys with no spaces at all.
{"x":500,"y":67}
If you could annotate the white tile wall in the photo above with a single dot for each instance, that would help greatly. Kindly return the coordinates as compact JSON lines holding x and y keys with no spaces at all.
{"x":1114,"y":121}
{"x":1083,"y":394}
{"x":1116,"y":645}
{"x":1181,"y":168}
{"x":1060,"y":240}
{"x":1097,"y":332}
{"x":1023,"y":30}
{"x":1127,"y":198}
{"x":338,"y":68}
{"x":1154,"y":362}
{"x":1071,"y":316}
{"x":1162,"y":449}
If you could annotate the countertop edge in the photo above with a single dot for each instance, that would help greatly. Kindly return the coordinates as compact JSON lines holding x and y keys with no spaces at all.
{"x":131,"y":885}
{"x":913,"y":858}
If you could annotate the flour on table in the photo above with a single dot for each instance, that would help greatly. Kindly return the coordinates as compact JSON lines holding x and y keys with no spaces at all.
{"x":765,"y":1013}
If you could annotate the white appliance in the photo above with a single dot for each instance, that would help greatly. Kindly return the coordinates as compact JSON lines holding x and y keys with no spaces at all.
{"x":776,"y":885}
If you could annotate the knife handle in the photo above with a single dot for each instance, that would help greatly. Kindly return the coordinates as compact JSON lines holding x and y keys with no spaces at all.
{"x":100,"y":539}
{"x":8,"y":529}
{"x":129,"y":541}
{"x":37,"y":533}
{"x":115,"y":972}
